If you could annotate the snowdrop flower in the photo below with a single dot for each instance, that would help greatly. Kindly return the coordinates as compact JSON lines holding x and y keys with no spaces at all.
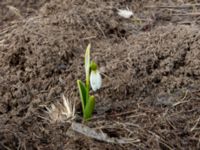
{"x":125,"y":13}
{"x":95,"y":77}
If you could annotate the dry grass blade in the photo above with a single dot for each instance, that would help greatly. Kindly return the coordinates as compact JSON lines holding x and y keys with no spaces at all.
{"x":176,"y":7}
{"x":99,"y":135}
{"x":15,"y":11}
{"x":68,"y":108}
{"x":161,"y":140}
{"x":188,"y":14}
{"x":194,"y":127}
{"x":182,"y":100}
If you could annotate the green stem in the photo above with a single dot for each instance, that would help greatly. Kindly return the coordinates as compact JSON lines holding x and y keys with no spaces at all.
{"x":87,"y":88}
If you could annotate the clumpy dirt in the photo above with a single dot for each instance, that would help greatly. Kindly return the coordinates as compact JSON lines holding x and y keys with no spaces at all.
{"x":14,"y":10}
{"x":150,"y":65}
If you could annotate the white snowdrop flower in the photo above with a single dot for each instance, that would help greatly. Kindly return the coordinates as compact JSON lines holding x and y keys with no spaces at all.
{"x":125,"y":13}
{"x":95,"y":80}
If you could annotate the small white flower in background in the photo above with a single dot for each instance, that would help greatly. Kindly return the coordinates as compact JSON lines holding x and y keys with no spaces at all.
{"x":95,"y":80}
{"x":125,"y":13}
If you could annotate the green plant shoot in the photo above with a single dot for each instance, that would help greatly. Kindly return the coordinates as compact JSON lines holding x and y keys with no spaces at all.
{"x":92,"y":78}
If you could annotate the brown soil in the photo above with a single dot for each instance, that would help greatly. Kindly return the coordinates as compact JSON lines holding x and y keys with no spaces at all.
{"x":150,"y":66}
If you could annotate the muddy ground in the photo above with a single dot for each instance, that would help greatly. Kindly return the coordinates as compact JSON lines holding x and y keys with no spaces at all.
{"x":150,"y":65}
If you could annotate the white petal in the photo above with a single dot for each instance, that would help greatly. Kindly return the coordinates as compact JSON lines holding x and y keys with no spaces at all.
{"x":95,"y":80}
{"x":125,"y":13}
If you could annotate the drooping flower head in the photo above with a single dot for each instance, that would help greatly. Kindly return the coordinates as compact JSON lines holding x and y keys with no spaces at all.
{"x":95,"y":77}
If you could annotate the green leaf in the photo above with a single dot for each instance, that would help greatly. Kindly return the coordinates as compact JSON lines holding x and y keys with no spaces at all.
{"x":87,"y":63}
{"x":89,"y":108}
{"x":83,"y":93}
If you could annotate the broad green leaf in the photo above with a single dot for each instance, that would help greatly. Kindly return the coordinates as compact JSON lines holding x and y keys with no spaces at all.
{"x":87,"y":63}
{"x":83,"y":93}
{"x":89,"y":108}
